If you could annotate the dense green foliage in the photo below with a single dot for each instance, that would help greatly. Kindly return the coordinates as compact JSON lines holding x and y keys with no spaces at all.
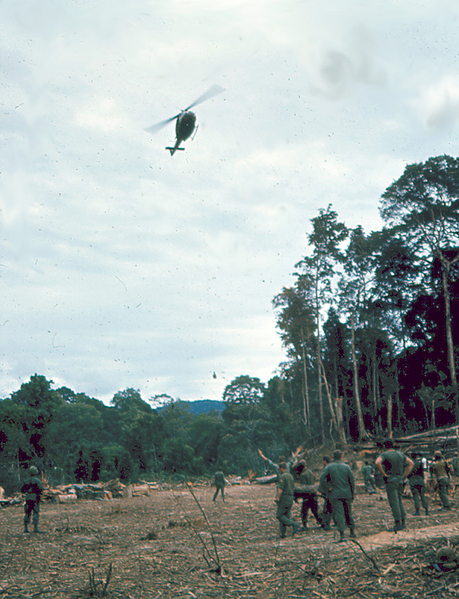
{"x":370,"y":328}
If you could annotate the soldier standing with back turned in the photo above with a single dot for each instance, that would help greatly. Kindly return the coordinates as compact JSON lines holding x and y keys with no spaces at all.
{"x":418,"y":485}
{"x":32,"y":489}
{"x":394,"y":467}
{"x":339,"y":478}
{"x":440,"y":469}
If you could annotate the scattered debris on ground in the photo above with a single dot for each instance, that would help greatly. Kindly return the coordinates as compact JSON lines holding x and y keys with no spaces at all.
{"x":174,"y":544}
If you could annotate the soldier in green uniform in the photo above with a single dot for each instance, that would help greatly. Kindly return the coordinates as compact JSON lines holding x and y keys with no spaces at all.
{"x":394,"y":467}
{"x":455,"y":465}
{"x":418,"y":485}
{"x":307,"y":492}
{"x":339,"y":478}
{"x":219,"y":480}
{"x":368,"y":479}
{"x":440,"y":469}
{"x":32,"y":489}
{"x":284,"y":500}
{"x":281,"y":459}
{"x":325,"y":492}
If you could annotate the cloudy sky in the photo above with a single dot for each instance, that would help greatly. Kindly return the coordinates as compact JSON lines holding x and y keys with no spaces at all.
{"x":121,"y":266}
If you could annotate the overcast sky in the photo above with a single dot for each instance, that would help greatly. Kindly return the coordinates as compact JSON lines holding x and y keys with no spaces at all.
{"x":122,"y":266}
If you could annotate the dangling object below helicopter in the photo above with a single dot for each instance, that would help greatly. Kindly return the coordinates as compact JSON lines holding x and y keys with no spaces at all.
{"x":186,"y":120}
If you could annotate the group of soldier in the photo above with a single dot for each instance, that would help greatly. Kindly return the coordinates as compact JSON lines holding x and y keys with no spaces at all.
{"x":296,"y":481}
{"x":392,"y":470}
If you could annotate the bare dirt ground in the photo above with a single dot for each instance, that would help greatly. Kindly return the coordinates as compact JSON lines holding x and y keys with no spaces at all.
{"x":163,"y":546}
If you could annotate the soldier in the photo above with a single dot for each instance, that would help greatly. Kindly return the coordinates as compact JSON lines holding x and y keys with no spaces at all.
{"x":219,"y":480}
{"x":368,"y":479}
{"x":32,"y":489}
{"x":394,"y":467}
{"x":325,"y":492}
{"x":339,"y":478}
{"x":281,"y":459}
{"x":455,"y":465}
{"x":307,"y":492}
{"x":418,"y":485}
{"x":440,"y":469}
{"x":284,"y":500}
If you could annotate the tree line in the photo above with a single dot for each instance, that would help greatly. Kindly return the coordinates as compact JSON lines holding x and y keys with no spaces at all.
{"x":370,"y":327}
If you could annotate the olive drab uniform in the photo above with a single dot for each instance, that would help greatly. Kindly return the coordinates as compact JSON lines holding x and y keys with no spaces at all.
{"x":441,"y":471}
{"x":418,"y":487}
{"x":219,"y":479}
{"x":284,"y":504}
{"x":368,"y":479}
{"x":394,"y":465}
{"x":455,"y":465}
{"x":307,"y":479}
{"x":338,"y":477}
{"x":32,"y":489}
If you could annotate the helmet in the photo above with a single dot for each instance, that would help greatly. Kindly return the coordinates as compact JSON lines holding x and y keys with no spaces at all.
{"x":437,"y":454}
{"x":33,"y":471}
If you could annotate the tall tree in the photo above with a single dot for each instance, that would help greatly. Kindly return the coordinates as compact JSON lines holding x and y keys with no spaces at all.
{"x":295,"y":320}
{"x":423,"y":208}
{"x":355,"y":290}
{"x":318,"y":269}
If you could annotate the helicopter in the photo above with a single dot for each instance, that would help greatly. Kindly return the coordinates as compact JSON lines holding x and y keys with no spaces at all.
{"x":186,"y":120}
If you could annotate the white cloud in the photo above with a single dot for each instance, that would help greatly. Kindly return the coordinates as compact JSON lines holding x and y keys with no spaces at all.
{"x":125,"y":267}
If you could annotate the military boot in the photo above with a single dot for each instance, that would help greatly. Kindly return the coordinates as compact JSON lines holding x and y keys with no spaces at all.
{"x":296,"y":528}
{"x":352,"y":534}
{"x":416,"y":513}
{"x":26,"y":528}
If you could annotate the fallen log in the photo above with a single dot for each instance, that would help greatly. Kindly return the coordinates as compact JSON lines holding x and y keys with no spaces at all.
{"x":265,"y":480}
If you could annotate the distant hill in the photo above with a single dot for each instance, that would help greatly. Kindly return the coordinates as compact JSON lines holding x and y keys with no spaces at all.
{"x":202,"y":406}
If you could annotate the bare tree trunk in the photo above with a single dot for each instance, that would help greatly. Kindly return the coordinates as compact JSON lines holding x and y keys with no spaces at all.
{"x":362,"y":432}
{"x":319,"y":385}
{"x":340,"y":419}
{"x":389,"y":416}
{"x":336,"y":415}
{"x":306,"y":396}
{"x":449,"y":336}
{"x":319,"y":360}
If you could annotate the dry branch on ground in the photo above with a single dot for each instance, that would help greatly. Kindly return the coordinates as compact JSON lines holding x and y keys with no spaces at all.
{"x":153,"y":547}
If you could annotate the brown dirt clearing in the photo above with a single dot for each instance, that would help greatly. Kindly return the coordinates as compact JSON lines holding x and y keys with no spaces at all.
{"x":161,"y":547}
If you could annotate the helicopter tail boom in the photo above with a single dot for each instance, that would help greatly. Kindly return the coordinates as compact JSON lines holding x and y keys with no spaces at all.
{"x":174,"y":149}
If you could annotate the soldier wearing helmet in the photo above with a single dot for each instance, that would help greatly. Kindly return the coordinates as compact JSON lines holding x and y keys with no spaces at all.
{"x":440,"y":470}
{"x":32,"y":489}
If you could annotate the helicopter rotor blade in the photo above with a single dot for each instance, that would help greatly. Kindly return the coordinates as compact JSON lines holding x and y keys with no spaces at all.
{"x":155,"y":128}
{"x":210,"y":93}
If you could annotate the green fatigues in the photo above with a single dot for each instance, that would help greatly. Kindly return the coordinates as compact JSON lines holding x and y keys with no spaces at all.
{"x":219,"y":479}
{"x":441,"y":471}
{"x":284,"y":505}
{"x":32,"y":488}
{"x":394,"y":465}
{"x":327,"y":509}
{"x":418,"y":486}
{"x":307,"y":479}
{"x":455,"y":466}
{"x":339,"y":478}
{"x":368,"y":479}
{"x":275,"y":466}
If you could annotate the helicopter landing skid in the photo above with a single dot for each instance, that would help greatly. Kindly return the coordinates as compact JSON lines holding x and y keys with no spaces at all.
{"x":175,"y":149}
